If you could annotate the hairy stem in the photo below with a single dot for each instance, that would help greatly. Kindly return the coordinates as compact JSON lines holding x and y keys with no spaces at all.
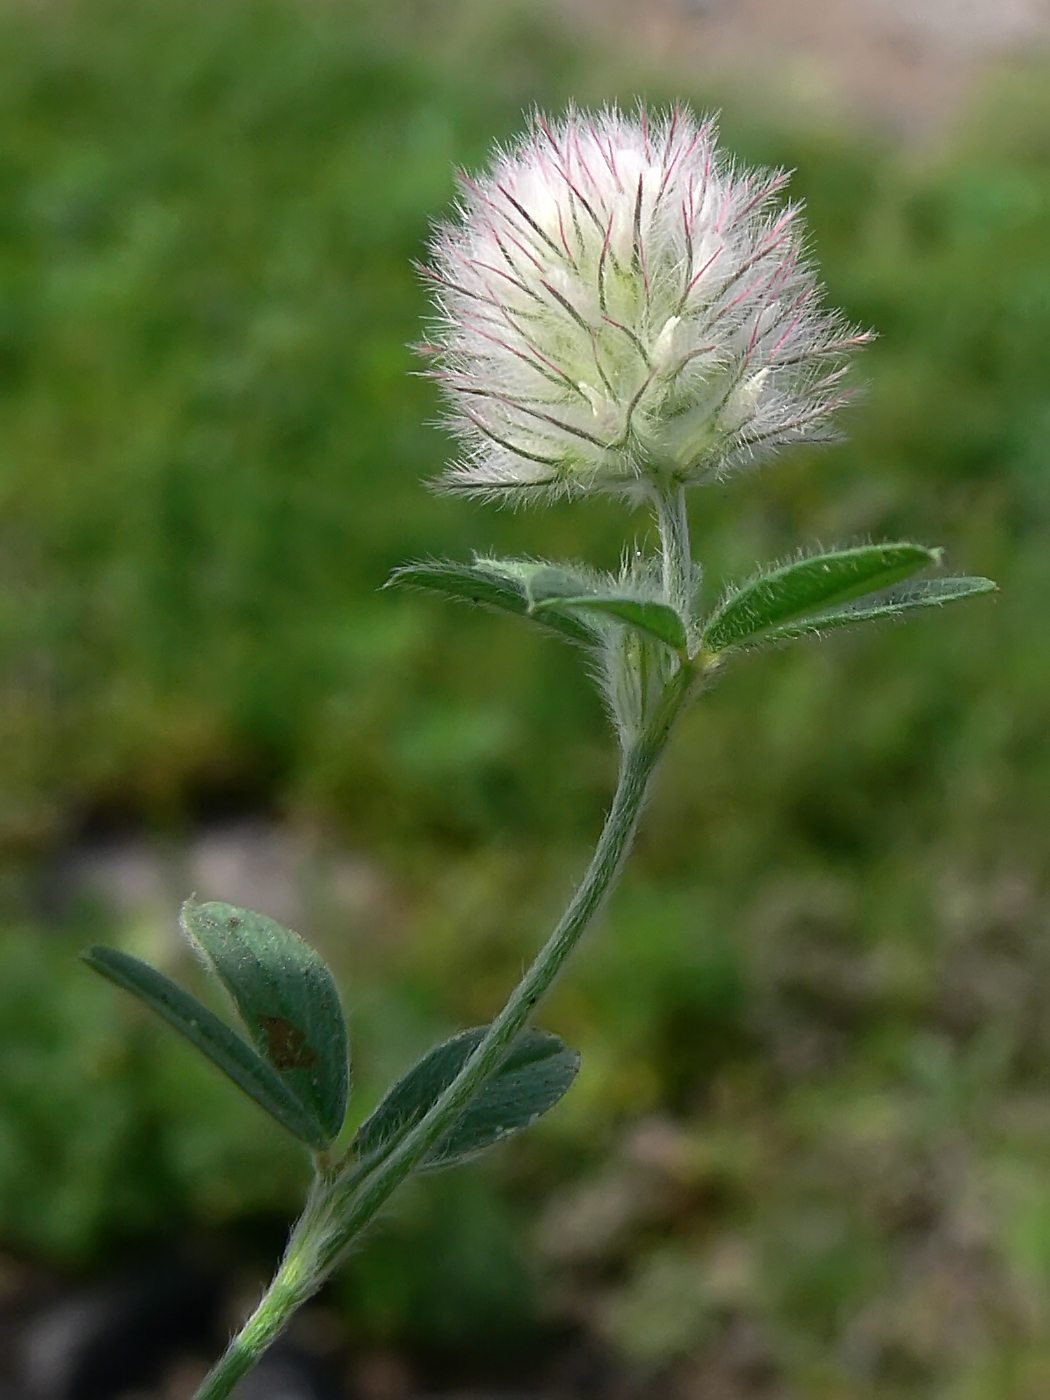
{"x":609,"y":856}
{"x":339,"y":1208}
{"x":283,"y":1297}
{"x":672,"y":518}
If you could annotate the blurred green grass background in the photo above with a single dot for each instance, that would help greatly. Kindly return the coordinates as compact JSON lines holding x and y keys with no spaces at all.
{"x":810,"y":1147}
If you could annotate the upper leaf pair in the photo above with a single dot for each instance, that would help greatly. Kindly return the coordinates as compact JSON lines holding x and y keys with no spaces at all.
{"x":809,"y":595}
{"x":800,"y":598}
{"x":574,"y":603}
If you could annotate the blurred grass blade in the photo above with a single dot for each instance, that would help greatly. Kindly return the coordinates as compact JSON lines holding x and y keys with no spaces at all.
{"x":531,"y":1080}
{"x":928,"y":595}
{"x":211,"y":1036}
{"x":821,"y":582}
{"x":287,"y":999}
{"x":654,"y":619}
{"x":498,"y":584}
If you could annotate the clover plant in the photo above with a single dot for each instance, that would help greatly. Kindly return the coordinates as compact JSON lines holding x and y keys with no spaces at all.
{"x":620,"y":310}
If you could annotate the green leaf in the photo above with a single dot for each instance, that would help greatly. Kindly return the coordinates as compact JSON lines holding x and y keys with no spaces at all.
{"x":927,"y":595}
{"x":287,"y":999}
{"x":531,"y":1080}
{"x":498,"y":584}
{"x":211,"y":1036}
{"x":654,"y":619}
{"x":821,"y":582}
{"x":542,"y":580}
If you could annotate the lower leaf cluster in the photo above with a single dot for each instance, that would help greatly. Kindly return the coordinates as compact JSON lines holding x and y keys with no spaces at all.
{"x":294,"y":1060}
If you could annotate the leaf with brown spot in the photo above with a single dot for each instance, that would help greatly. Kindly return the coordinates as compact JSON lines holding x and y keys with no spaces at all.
{"x":286,"y":1044}
{"x":287,"y":999}
{"x":203,"y":1029}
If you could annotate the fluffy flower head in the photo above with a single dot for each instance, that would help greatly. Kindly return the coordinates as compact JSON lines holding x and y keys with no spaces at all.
{"x":619,"y":307}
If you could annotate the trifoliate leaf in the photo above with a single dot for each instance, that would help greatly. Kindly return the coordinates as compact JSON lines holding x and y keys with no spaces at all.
{"x":534,"y":1076}
{"x":544,"y":581}
{"x":933,"y":594}
{"x":212,"y":1037}
{"x":653,"y":619}
{"x":499,"y":584}
{"x":820,"y":582}
{"x":287,"y":999}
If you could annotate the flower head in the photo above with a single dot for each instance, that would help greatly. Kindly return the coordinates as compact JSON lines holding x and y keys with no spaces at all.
{"x":619,"y":307}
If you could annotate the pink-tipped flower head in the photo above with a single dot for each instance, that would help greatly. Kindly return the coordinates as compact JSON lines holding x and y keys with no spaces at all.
{"x":619,"y":307}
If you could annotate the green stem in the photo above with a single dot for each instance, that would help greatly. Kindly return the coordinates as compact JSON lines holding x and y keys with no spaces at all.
{"x":606,"y":864}
{"x":339,"y":1208}
{"x":672,"y":518}
{"x":280,"y":1301}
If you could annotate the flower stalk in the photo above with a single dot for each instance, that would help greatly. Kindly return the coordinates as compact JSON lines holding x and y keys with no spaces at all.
{"x":678,"y":571}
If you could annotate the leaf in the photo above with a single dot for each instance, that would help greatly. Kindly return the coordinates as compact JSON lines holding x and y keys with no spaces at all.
{"x":211,"y":1036}
{"x":534,"y":1076}
{"x":820,"y":582}
{"x":927,"y":595}
{"x":287,"y":999}
{"x":497,"y":584}
{"x":654,"y":619}
{"x":545,"y":582}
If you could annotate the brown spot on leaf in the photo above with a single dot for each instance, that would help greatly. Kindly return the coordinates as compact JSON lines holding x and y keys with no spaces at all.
{"x":286,"y":1044}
